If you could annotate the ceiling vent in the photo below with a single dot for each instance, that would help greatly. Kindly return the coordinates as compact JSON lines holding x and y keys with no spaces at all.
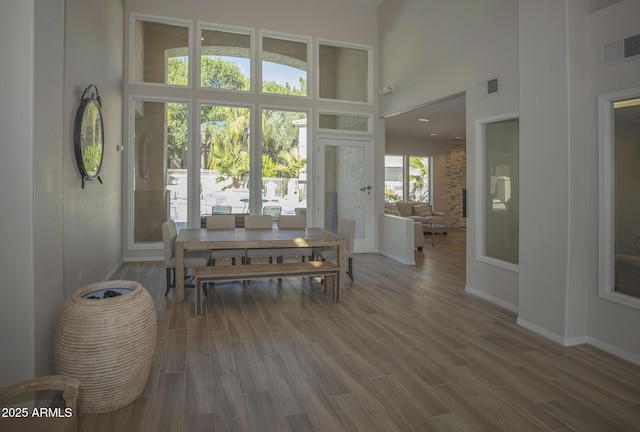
{"x":620,"y":50}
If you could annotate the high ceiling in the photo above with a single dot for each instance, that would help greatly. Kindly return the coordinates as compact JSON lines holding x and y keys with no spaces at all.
{"x":446,"y":119}
{"x":365,"y":2}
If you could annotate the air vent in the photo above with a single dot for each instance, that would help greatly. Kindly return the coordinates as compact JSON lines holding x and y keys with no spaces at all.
{"x":488,"y":87}
{"x":632,"y":46}
{"x":492,"y":86}
{"x":623,"y":49}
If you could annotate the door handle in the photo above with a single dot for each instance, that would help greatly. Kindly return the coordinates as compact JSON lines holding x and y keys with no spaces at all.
{"x":362,"y":189}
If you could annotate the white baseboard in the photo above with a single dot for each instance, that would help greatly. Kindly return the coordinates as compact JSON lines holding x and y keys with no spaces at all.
{"x":546,"y":333}
{"x":496,"y":301}
{"x":113,"y":271}
{"x":630,"y":357}
{"x":625,"y":355}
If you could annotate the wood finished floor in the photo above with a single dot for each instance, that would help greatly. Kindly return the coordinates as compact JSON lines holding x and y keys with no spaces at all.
{"x":406,"y":350}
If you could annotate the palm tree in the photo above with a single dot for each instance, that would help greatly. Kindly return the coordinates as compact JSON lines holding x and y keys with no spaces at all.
{"x":419,"y":180}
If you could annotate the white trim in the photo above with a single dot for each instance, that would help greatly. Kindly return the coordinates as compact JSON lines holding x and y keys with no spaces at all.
{"x":479,"y":190}
{"x":114,"y":269}
{"x":626,"y":355}
{"x":568,"y":342}
{"x":606,"y":191}
{"x":547,"y":334}
{"x":499,"y":263}
{"x":491,"y":299}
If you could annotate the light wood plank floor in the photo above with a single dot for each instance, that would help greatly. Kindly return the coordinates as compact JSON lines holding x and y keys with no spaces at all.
{"x":406,"y":350}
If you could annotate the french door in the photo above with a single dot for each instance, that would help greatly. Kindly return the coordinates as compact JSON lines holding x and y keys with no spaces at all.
{"x":345,"y":187}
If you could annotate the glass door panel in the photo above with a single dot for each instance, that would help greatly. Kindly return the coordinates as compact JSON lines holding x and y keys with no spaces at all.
{"x":347,"y":191}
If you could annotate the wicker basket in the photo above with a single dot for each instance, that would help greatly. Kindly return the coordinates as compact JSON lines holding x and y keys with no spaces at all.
{"x":108,"y":344}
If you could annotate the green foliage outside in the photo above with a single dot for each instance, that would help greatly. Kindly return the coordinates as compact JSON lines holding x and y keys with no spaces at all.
{"x":391,"y":196}
{"x":224,"y":132}
{"x":419,"y":181}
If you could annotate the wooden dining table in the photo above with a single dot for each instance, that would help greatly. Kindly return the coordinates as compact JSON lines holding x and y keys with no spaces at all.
{"x":241,"y":238}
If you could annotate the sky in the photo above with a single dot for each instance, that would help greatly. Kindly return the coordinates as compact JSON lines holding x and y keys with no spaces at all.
{"x":281,"y":74}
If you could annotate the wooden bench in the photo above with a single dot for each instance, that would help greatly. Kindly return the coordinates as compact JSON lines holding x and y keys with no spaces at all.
{"x":261,"y":271}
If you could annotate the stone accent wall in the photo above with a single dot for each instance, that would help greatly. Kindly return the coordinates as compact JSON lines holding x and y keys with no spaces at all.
{"x":456,"y":181}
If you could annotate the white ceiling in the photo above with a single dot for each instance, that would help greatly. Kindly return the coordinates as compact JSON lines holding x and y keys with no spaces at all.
{"x":446,"y":118}
{"x":365,"y":2}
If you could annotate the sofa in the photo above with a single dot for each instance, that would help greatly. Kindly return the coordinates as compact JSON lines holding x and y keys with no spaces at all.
{"x":418,"y":236}
{"x":627,"y":274}
{"x":418,"y":211}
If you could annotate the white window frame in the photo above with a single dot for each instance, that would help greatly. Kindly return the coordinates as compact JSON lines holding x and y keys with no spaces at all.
{"x":606,"y":175}
{"x":480,"y":190}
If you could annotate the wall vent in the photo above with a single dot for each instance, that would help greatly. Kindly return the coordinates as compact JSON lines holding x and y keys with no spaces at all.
{"x":492,"y":86}
{"x":622,"y":49}
{"x":632,"y":46}
{"x":489,"y":87}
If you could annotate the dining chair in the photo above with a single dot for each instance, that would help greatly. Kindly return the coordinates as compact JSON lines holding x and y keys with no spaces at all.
{"x":294,"y":222}
{"x":346,"y":230}
{"x":224,"y":222}
{"x":191,"y":258}
{"x":260,"y":222}
{"x":273,"y":211}
{"x":221,"y":209}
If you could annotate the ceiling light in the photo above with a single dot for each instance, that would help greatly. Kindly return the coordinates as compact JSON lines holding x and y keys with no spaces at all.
{"x":433,"y":134}
{"x":626,"y":103}
{"x":423,"y":119}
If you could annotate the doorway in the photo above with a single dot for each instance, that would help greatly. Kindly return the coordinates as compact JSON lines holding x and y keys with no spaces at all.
{"x":345,"y":187}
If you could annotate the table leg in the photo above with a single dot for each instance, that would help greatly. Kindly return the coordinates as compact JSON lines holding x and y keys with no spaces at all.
{"x":179,"y":271}
{"x":342,"y":263}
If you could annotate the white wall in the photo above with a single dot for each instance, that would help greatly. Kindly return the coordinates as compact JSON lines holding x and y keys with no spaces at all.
{"x":434,"y":49}
{"x":53,"y":227}
{"x":94,"y":40}
{"x":16,"y":184}
{"x":544,"y":178}
{"x":396,"y":238}
{"x":47,"y":177}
